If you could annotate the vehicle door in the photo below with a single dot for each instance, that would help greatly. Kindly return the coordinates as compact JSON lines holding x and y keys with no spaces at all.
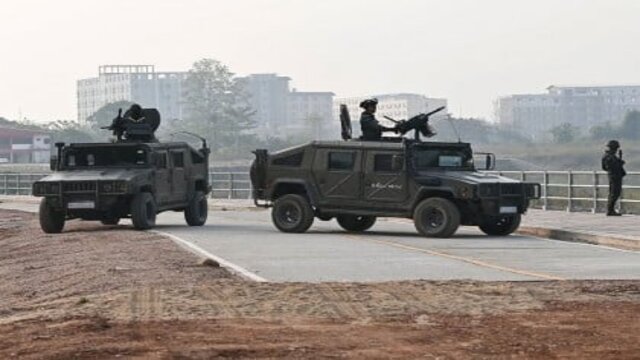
{"x":338,"y":174}
{"x":178,"y":176}
{"x":163,"y":180}
{"x":385,"y":177}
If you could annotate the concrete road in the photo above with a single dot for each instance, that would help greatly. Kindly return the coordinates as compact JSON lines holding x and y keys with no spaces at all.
{"x":391,"y":250}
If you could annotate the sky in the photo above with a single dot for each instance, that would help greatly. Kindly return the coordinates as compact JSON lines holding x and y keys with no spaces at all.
{"x":467,"y":51}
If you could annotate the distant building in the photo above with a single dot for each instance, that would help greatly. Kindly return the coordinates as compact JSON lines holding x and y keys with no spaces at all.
{"x":281,"y":112}
{"x":135,"y":83}
{"x":581,"y":106}
{"x":24,"y":146}
{"x":396,"y":106}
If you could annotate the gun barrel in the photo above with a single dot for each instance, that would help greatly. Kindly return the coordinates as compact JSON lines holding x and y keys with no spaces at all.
{"x":435,"y":111}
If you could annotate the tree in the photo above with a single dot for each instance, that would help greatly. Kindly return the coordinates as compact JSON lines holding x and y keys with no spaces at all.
{"x":216,"y":104}
{"x":630,"y":128}
{"x":602,"y":132}
{"x":564,"y":133}
{"x":69,"y":131}
{"x":106,"y":114}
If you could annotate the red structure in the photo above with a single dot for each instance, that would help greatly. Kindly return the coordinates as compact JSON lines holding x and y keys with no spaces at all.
{"x":24,"y":146}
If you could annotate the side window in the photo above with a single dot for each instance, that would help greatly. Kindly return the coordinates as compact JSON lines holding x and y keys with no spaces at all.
{"x":177,"y":158}
{"x":341,"y":160}
{"x":161,"y":160}
{"x":294,"y":160}
{"x":383,"y":163}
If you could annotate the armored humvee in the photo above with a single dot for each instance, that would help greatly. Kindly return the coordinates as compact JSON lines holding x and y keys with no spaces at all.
{"x":135,"y":177}
{"x":436,"y":184}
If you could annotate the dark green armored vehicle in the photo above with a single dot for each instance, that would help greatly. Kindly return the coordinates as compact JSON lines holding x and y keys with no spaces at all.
{"x":135,"y":177}
{"x":434,"y":183}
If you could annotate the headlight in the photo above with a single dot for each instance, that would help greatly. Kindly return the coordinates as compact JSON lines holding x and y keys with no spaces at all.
{"x":113,"y":187}
{"x":465,"y":192}
{"x":46,"y":188}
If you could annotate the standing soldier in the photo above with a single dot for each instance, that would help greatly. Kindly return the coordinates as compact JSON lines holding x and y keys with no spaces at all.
{"x":371,"y":128}
{"x":613,"y":164}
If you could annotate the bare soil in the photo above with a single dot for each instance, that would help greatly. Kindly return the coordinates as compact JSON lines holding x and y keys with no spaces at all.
{"x":104,"y":292}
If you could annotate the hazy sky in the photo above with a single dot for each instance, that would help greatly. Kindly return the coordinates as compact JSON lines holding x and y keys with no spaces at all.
{"x":468,"y":51}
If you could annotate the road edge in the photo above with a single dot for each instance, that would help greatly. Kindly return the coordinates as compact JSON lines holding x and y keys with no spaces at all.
{"x":236,"y":269}
{"x":580,"y":237}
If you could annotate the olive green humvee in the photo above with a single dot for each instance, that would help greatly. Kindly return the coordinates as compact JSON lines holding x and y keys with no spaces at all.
{"x":134,"y":177}
{"x":434,"y":183}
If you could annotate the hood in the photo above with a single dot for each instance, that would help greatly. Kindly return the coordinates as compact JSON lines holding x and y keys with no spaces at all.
{"x":94,"y":175}
{"x":469,"y":177}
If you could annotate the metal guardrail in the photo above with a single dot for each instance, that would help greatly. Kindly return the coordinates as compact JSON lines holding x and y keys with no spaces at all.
{"x":561,"y":190}
{"x":579,"y":190}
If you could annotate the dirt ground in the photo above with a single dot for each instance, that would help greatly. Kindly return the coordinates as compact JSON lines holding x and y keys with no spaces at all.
{"x":104,"y":292}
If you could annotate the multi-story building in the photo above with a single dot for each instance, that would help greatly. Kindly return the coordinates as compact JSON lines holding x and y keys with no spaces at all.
{"x":581,"y":106}
{"x":135,"y":83}
{"x":396,"y":106}
{"x":24,"y":146}
{"x":281,"y":112}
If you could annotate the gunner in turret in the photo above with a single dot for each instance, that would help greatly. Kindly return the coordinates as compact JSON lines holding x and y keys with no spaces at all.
{"x":371,"y":128}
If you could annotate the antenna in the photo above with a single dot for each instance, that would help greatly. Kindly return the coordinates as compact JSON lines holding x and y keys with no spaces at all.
{"x":454,"y":127}
{"x":204,"y":141}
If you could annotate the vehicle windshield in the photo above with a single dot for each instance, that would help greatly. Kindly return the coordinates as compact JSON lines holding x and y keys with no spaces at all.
{"x":105,"y":156}
{"x":443,"y":158}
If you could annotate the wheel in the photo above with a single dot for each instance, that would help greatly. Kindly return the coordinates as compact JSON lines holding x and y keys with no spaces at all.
{"x":323,"y":217}
{"x":51,"y":220}
{"x":436,"y":217}
{"x":500,"y":225}
{"x":196,"y":212}
{"x":143,"y":211}
{"x":356,"y":223}
{"x":110,"y":221}
{"x":292,"y":214}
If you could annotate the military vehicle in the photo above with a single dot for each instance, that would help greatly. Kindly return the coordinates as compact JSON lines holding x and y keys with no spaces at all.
{"x":437,"y":184}
{"x":134,"y":177}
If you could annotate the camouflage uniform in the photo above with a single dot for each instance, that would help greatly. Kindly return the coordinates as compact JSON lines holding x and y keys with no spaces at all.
{"x":614,"y":166}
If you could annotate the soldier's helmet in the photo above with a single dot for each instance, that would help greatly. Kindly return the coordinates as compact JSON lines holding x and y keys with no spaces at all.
{"x":368,"y":102}
{"x":134,"y":112}
{"x":613,"y":144}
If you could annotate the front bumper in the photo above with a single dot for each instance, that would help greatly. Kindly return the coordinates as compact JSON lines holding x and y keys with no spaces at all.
{"x":83,"y":196}
{"x":507,"y":198}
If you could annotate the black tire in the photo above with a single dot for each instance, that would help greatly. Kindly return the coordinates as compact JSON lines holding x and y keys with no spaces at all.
{"x":143,"y":211}
{"x":292,"y":214}
{"x":355,"y":223}
{"x":51,"y":220}
{"x":197,"y":211}
{"x":436,"y":217}
{"x":500,"y":225}
{"x":110,"y":221}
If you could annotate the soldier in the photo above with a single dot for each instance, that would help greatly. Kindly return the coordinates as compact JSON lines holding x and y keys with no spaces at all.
{"x":371,"y":128}
{"x":613,"y":164}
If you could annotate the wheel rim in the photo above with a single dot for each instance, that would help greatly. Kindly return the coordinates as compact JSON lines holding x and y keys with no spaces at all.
{"x":503,"y":222}
{"x":433,"y":218}
{"x":289,"y":215}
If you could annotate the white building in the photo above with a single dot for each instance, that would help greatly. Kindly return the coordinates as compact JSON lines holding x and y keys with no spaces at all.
{"x":135,"y":83}
{"x":281,"y":112}
{"x":24,"y":146}
{"x":581,"y":106}
{"x":396,"y":106}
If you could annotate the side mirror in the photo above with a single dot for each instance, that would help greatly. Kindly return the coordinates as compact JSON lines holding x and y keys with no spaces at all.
{"x":397,"y":162}
{"x":489,"y":161}
{"x":53,"y":163}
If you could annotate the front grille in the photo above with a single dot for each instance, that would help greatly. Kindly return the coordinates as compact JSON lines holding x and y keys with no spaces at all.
{"x":79,"y":186}
{"x":511,"y":189}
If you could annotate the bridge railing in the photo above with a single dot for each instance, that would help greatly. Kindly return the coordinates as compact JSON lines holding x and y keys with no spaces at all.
{"x":561,"y":190}
{"x":579,"y":190}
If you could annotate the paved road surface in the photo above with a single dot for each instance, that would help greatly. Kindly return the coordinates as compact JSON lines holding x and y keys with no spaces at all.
{"x":392,"y":251}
